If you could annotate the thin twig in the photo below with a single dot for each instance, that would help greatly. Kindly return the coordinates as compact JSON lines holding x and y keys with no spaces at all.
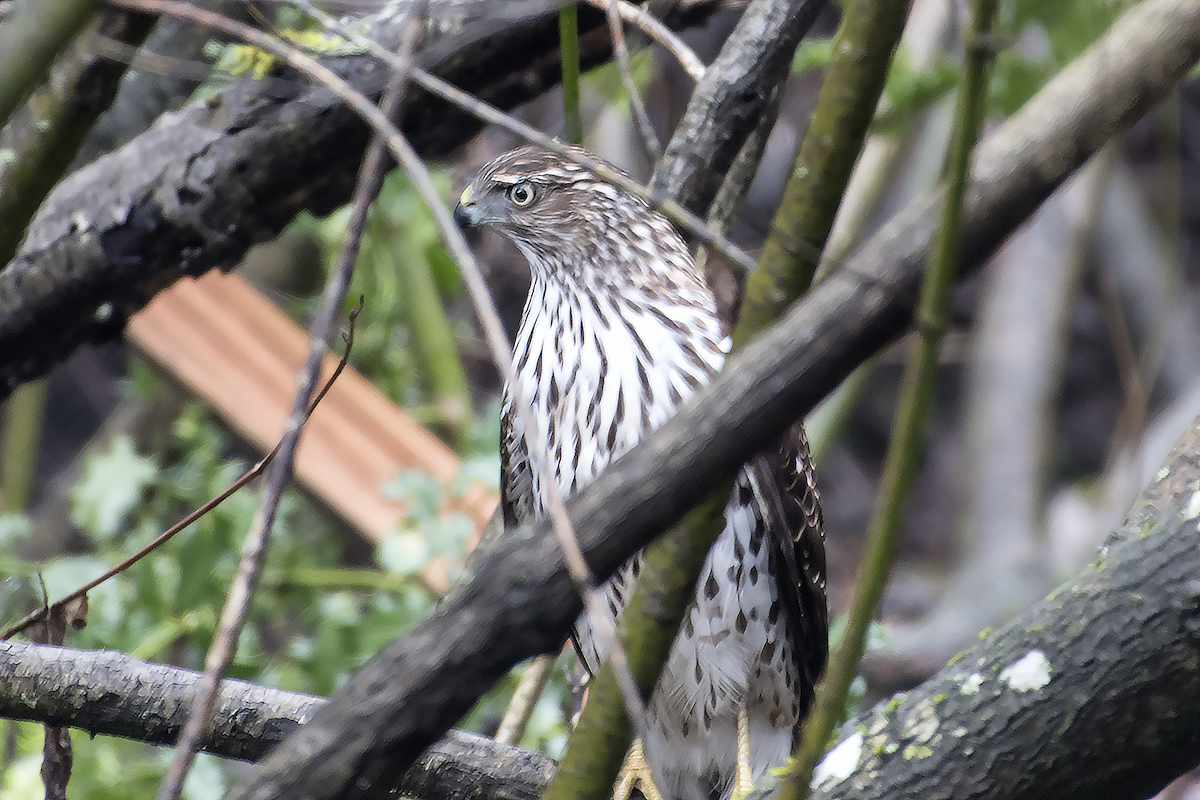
{"x":652,"y":27}
{"x":568,"y":46}
{"x":254,"y":550}
{"x":221,"y":652}
{"x":636,"y":106}
{"x":166,"y":535}
{"x":520,"y":708}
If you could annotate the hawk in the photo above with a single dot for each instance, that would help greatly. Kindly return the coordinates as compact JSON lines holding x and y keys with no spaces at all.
{"x":620,"y":327}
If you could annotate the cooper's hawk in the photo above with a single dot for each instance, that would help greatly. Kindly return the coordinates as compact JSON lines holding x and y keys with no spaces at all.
{"x":619,"y":328}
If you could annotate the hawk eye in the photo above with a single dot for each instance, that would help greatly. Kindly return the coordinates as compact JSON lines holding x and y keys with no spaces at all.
{"x":521,"y":194}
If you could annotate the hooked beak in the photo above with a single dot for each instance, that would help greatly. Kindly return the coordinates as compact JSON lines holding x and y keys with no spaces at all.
{"x":467,"y":213}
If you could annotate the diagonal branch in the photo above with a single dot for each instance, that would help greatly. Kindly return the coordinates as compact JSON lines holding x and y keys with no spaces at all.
{"x":520,"y":601}
{"x":820,"y":170}
{"x":736,"y":91}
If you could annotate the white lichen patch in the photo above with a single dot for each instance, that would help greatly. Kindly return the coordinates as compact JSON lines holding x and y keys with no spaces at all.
{"x":839,"y":763}
{"x":1193,"y":507}
{"x":1031,"y":671}
{"x":971,"y":683}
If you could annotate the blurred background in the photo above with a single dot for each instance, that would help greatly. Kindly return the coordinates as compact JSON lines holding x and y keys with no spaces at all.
{"x":1072,"y":366}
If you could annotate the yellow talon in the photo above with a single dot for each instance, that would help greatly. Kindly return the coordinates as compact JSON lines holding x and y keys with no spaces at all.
{"x":635,"y":774}
{"x":743,"y":778}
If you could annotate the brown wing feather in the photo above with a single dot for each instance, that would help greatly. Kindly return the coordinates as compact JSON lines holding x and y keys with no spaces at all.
{"x":516,"y":479}
{"x":797,"y":531}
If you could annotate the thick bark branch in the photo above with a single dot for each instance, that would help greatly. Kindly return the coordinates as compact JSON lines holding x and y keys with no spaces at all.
{"x":1094,"y":692}
{"x":205,"y":183}
{"x":110,"y":693}
{"x":738,"y":88}
{"x":520,"y":600}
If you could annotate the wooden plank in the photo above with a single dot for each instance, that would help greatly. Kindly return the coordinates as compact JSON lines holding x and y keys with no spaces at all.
{"x":232,"y":347}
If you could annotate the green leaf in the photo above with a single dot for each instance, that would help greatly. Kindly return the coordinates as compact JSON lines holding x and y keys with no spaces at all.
{"x":813,"y":53}
{"x":111,"y":486}
{"x":403,"y":552}
{"x":206,"y":780}
{"x":1037,"y":39}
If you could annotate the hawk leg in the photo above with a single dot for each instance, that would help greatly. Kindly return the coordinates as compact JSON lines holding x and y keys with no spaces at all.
{"x":743,"y":778}
{"x":635,"y":775}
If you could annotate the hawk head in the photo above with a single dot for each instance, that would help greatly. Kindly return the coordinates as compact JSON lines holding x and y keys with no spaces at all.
{"x":571,"y":224}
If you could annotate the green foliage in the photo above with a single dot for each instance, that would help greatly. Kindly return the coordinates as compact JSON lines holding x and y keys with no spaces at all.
{"x":606,"y":80}
{"x":402,"y":235}
{"x":1036,"y":39}
{"x":908,"y":89}
{"x":876,"y":642}
{"x":813,"y":53}
{"x":315,"y":620}
{"x":112,"y":485}
{"x":1033,"y":40}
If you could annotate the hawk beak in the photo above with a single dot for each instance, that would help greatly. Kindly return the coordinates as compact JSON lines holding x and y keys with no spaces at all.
{"x":466,"y":213}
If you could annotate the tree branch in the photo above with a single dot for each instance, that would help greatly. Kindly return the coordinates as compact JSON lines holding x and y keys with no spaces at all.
{"x":1094,"y":692}
{"x":520,"y":601}
{"x":853,"y":82}
{"x":44,"y":139}
{"x":112,"y":694}
{"x":737,"y":89}
{"x":39,"y":31}
{"x":201,"y":186}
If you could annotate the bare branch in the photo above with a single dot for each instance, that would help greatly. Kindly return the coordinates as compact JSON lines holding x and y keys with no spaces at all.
{"x":635,"y":98}
{"x":738,"y":89}
{"x":112,"y":694}
{"x":659,"y":32}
